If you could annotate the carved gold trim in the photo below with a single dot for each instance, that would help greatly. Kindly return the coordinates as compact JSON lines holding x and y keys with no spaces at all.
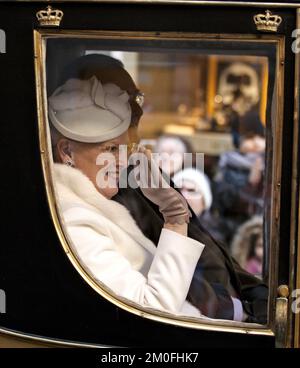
{"x":281,"y":322}
{"x":189,"y":322}
{"x":282,"y":305}
{"x":267,"y":22}
{"x":49,"y":17}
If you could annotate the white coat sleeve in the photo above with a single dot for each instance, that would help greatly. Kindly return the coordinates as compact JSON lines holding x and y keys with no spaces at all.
{"x":169,"y":277}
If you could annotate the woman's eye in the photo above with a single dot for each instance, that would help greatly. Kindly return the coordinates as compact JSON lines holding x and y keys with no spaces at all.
{"x":112,"y":149}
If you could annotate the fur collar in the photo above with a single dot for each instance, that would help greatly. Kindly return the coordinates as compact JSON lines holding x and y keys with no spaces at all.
{"x":74,"y":188}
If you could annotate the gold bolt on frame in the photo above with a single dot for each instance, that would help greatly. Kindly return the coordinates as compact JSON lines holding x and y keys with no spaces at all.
{"x":283,"y":291}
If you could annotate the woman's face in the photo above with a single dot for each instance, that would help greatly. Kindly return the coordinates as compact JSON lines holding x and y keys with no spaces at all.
{"x":193,"y":196}
{"x":100,"y":162}
{"x":171,"y":155}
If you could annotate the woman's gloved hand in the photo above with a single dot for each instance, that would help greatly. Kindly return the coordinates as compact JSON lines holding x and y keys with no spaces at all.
{"x":172,"y":204}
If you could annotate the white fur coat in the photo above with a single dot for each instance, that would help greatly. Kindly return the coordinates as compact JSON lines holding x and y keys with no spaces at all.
{"x":114,"y":250}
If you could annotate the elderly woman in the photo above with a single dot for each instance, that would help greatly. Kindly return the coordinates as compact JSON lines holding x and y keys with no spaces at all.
{"x":90,"y":120}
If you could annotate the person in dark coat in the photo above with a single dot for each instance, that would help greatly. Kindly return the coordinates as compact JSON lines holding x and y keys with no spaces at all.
{"x":217,"y":276}
{"x":239,"y":184}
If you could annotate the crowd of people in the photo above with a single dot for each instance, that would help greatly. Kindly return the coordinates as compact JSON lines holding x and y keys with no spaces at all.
{"x":231,"y":201}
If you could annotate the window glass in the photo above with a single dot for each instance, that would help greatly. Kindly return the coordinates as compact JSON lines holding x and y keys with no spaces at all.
{"x":162,"y":157}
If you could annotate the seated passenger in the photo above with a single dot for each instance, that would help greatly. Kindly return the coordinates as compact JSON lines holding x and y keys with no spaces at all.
{"x":91,"y":122}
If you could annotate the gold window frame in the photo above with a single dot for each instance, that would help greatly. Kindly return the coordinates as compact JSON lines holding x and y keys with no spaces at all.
{"x":40,"y":37}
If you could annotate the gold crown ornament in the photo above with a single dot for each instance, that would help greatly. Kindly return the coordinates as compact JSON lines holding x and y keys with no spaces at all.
{"x":267,"y":22}
{"x":49,"y":17}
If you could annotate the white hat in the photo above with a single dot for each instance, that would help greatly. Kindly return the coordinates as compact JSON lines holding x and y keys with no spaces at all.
{"x":201,"y":183}
{"x":87,"y":111}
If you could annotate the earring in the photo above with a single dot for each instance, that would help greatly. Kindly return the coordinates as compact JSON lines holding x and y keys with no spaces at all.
{"x":69,"y":162}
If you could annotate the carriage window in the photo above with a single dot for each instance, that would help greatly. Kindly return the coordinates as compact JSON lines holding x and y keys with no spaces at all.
{"x":163,"y":153}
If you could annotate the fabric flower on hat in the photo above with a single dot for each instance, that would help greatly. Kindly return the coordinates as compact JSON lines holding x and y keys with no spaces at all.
{"x":87,"y":111}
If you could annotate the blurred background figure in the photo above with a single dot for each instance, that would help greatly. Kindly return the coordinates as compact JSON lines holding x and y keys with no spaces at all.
{"x":195,"y":187}
{"x":243,"y":119}
{"x":171,"y":150}
{"x":238,"y":185}
{"x":247,"y":245}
